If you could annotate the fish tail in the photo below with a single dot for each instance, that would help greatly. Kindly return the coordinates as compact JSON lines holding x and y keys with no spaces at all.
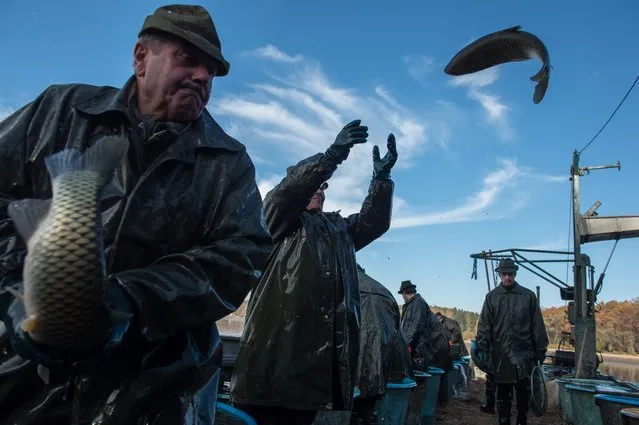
{"x":543,"y":73}
{"x":540,"y":89}
{"x":102,"y":157}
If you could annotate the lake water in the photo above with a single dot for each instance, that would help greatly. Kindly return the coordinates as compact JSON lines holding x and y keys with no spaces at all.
{"x":621,"y":371}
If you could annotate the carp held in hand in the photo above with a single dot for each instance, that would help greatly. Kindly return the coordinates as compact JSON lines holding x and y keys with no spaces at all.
{"x":64,"y":269}
{"x":509,"y":45}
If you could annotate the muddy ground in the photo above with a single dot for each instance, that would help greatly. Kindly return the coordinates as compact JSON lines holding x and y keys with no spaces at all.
{"x":465,"y":410}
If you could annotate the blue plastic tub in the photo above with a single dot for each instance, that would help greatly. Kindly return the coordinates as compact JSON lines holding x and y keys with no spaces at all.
{"x":582,"y":400}
{"x":629,"y":416}
{"x":564,"y":398}
{"x":453,"y":375}
{"x":417,"y":398}
{"x":432,"y":391}
{"x":610,"y":407}
{"x":394,"y":404}
{"x":228,"y":415}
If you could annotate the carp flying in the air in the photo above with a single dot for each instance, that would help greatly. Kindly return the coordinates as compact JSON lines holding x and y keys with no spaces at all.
{"x":64,"y":269}
{"x":509,"y":45}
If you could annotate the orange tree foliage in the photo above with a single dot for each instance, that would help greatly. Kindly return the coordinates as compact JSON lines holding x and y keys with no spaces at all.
{"x":617,"y":325}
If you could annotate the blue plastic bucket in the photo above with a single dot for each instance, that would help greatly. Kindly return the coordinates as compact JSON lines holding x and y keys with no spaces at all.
{"x":453,"y":375}
{"x":394,"y":404}
{"x":629,"y":416}
{"x":582,"y":400}
{"x":564,"y":398}
{"x":610,"y":406}
{"x":417,"y":398}
{"x":432,"y":391}
{"x":229,"y":415}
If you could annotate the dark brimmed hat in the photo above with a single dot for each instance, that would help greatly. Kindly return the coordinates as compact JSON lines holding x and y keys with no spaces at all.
{"x":192,"y":24}
{"x":507,"y":266}
{"x":406,"y":284}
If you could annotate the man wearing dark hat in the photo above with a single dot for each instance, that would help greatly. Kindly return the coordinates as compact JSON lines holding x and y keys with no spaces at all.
{"x":426,"y":336}
{"x":299,"y":350}
{"x":511,"y":335}
{"x":183,"y":232}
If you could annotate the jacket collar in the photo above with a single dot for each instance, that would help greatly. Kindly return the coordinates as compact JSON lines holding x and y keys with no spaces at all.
{"x":205,"y":131}
{"x":516,"y":288}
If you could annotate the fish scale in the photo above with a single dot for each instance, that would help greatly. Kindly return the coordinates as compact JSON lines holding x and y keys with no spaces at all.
{"x":67,"y":284}
{"x":64,"y":270}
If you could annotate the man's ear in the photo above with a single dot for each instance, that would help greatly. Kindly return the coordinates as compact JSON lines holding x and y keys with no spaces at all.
{"x":140,"y":53}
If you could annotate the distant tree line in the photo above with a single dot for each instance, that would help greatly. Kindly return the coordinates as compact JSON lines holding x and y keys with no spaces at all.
{"x":617,"y":324}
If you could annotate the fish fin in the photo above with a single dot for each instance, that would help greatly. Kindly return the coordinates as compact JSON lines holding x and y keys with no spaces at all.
{"x":540,"y":90}
{"x":15,"y":293}
{"x":27,"y":214}
{"x":102,"y":157}
{"x":512,"y":29}
{"x":29,"y":324}
{"x":543,"y":73}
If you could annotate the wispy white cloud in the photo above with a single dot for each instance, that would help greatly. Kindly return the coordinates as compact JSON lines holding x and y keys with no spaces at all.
{"x":482,"y":204}
{"x":418,"y":66}
{"x":495,"y":109}
{"x":557,"y":244}
{"x":273,"y":53}
{"x":295,"y":115}
{"x":288,"y":117}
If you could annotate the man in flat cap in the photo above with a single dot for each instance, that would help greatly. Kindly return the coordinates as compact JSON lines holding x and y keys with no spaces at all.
{"x":426,"y":336}
{"x":183,"y":231}
{"x":511,"y":335}
{"x":299,"y":350}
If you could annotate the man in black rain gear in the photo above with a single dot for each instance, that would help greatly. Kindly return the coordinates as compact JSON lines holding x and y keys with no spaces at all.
{"x":299,"y":349}
{"x":383,"y":351}
{"x":512,"y":335}
{"x":455,"y":336}
{"x":427,"y":339}
{"x":182,"y":228}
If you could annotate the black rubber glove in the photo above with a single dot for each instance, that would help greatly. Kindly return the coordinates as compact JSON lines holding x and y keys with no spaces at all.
{"x":352,"y":133}
{"x":121,"y":310}
{"x":540,"y":357}
{"x":383,"y":166}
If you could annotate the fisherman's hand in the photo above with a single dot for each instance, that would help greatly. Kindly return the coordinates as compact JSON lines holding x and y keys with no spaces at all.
{"x":540,"y":357}
{"x":383,"y":166}
{"x":121,"y":313}
{"x":353,"y":133}
{"x":22,"y":343}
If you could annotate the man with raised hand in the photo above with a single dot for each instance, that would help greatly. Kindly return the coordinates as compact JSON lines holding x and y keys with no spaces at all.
{"x":299,"y":350}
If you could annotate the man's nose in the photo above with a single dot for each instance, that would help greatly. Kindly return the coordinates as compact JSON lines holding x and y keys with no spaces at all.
{"x":202,"y":75}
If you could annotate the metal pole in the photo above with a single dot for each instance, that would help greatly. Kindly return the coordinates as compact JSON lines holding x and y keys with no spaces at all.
{"x":487,"y":275}
{"x":585,"y":328}
{"x":579,"y":292}
{"x":538,"y":299}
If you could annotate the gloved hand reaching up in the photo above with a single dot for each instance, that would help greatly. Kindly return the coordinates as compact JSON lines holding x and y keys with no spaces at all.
{"x":353,"y":133}
{"x":383,"y":166}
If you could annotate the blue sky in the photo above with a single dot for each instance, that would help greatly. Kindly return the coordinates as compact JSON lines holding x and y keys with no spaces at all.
{"x":481,"y":166}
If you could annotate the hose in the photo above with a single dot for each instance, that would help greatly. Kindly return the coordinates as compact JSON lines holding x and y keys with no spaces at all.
{"x":538,"y":394}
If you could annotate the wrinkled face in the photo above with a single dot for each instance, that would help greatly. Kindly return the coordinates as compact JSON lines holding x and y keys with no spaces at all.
{"x":507,"y":278}
{"x":317,"y":201}
{"x":407,"y":297}
{"x":173,"y":79}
